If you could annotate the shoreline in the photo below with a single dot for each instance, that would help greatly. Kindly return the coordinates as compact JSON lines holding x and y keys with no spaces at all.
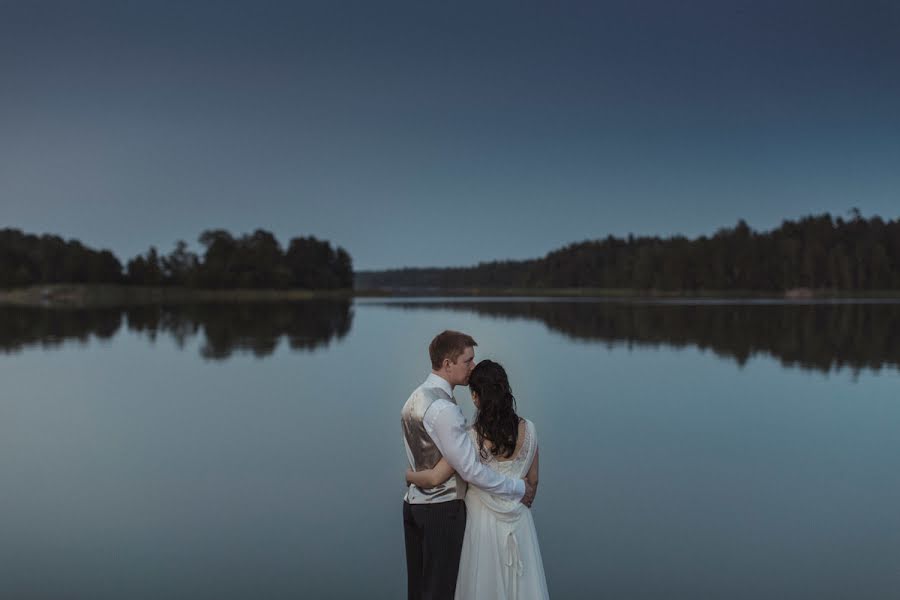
{"x":63,"y":295}
{"x":89,"y":296}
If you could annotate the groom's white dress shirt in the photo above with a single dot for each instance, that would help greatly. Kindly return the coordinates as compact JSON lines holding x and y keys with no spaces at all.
{"x":445,"y":424}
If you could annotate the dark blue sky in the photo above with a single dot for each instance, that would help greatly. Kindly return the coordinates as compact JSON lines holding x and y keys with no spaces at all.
{"x":443,"y":133}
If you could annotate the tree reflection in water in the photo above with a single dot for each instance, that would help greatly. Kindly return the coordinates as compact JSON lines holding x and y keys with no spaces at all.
{"x":823,"y":336}
{"x":227,"y":328}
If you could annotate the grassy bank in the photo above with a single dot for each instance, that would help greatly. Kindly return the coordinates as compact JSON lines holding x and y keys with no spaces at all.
{"x":72,"y":295}
{"x":798,"y":294}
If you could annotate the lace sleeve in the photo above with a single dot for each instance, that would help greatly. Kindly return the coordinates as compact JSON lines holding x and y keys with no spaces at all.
{"x":529,"y":447}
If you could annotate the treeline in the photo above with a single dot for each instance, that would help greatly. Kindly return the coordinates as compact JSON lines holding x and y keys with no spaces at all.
{"x":254,"y":261}
{"x":817,"y":252}
{"x":29,"y":259}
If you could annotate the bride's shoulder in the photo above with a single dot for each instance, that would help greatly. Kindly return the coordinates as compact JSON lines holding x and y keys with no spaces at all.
{"x":529,"y":426}
{"x":526,"y":425}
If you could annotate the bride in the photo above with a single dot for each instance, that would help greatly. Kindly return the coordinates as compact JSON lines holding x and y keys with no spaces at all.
{"x":500,"y":554}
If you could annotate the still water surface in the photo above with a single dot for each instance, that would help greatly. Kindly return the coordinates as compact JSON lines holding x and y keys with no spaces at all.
{"x":688,"y":449}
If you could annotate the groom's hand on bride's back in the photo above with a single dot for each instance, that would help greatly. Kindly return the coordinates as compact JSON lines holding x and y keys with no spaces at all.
{"x":530,"y":492}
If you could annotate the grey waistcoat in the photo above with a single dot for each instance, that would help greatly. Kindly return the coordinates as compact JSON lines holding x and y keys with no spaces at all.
{"x":421,"y":450}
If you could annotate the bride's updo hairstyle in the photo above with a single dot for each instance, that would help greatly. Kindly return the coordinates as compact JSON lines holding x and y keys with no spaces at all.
{"x":496,"y":419}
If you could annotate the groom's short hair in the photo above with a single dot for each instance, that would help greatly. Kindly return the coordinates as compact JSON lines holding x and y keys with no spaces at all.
{"x":448,"y":344}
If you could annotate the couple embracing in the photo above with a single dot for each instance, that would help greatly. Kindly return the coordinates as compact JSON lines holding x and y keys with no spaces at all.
{"x":466,"y":515}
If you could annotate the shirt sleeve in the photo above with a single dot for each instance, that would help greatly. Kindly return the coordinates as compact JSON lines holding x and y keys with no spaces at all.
{"x":445,"y":424}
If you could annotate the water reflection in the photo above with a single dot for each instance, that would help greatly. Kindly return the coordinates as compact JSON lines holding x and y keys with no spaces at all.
{"x":226,"y":328}
{"x":820,"y":336}
{"x":823,"y":336}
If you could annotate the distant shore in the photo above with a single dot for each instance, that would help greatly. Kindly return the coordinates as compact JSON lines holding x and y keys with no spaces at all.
{"x":626,"y":293}
{"x":76,"y":295}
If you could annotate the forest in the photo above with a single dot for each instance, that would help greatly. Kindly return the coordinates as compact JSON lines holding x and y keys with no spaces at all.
{"x":255,"y":261}
{"x":816,"y":252}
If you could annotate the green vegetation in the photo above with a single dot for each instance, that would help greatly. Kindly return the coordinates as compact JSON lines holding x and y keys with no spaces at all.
{"x":99,"y":295}
{"x":818,"y":253}
{"x":253,"y":261}
{"x":28,"y":259}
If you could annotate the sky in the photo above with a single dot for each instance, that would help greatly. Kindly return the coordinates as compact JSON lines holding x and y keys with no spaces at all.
{"x":429,"y":133}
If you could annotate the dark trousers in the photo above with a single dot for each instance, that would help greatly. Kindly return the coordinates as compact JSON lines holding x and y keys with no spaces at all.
{"x":434,"y":537}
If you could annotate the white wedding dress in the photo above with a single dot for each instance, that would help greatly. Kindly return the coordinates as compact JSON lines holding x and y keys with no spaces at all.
{"x":500,"y":558}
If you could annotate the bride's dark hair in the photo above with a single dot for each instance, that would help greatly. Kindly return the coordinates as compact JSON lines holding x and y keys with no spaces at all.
{"x":496,"y":419}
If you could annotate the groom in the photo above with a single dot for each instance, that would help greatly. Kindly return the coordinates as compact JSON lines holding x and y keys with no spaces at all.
{"x":434,"y":520}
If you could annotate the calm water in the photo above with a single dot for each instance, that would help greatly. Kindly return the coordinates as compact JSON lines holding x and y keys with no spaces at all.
{"x":688,"y":450}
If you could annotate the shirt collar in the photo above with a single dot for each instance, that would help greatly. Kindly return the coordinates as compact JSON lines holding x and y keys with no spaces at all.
{"x":439,"y":382}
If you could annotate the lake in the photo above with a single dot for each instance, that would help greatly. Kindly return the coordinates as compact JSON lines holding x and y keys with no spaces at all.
{"x":689,"y":449}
